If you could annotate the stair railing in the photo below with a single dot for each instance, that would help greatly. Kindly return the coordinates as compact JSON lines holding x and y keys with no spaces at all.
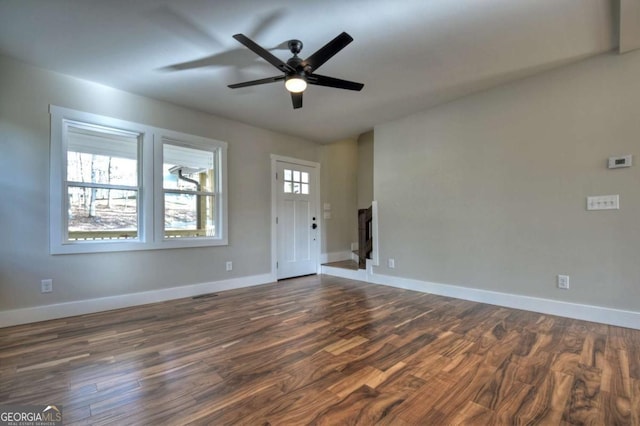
{"x":365,"y":236}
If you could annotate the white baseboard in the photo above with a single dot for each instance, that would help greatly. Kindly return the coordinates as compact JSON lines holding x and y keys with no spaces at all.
{"x":622,"y":318}
{"x":80,"y":307}
{"x":335,"y":256}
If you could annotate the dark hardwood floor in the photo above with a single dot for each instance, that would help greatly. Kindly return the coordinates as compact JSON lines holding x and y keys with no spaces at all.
{"x":324,"y":350}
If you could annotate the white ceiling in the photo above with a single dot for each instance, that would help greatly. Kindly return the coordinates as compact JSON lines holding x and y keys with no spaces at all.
{"x":410,"y":54}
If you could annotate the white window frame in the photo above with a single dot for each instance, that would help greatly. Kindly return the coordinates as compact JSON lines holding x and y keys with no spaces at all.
{"x":151,"y":191}
{"x":191,"y":141}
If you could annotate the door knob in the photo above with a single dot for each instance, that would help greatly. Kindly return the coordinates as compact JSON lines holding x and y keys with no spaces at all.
{"x":314,"y":226}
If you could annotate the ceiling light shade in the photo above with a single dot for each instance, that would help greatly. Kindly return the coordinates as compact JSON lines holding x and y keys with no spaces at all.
{"x":295,"y":84}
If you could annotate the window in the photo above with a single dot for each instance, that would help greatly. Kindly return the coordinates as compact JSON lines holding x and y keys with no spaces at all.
{"x":117,"y":185}
{"x":102,"y":183}
{"x":296,"y":182}
{"x":189,"y":182}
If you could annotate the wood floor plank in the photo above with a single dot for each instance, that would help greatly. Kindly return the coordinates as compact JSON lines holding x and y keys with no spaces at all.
{"x":472,"y":414}
{"x":617,"y":386}
{"x":635,"y":402}
{"x":533,"y":369}
{"x":368,"y":376}
{"x":584,"y":402}
{"x":509,"y":410}
{"x":467,"y":386}
{"x":419,"y":404}
{"x":545,"y":403}
{"x":502,"y":383}
{"x":324,"y":350}
{"x":365,"y":406}
{"x":593,"y":350}
{"x":344,"y":345}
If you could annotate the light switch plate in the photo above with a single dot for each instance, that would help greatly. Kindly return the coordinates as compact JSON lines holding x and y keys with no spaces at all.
{"x":603,"y":202}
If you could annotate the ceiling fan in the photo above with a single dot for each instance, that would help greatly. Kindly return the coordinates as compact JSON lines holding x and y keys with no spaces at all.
{"x":299,"y":72}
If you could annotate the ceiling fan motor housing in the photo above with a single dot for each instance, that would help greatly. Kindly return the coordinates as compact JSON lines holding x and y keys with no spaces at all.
{"x":295,"y":46}
{"x":296,"y":64}
{"x":295,"y":61}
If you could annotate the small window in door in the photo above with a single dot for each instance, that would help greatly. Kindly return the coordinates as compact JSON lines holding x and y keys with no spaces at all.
{"x":296,"y":182}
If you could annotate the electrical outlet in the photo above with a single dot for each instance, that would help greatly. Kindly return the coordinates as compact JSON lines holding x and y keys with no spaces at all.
{"x":229,"y":265}
{"x":563,"y":282}
{"x":391,"y":263}
{"x":46,"y":286}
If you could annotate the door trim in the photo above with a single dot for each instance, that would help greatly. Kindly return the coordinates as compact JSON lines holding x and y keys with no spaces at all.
{"x":274,"y":208}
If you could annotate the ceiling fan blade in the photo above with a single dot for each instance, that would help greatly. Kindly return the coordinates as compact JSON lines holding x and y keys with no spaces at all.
{"x":323,"y":80}
{"x":296,"y":100}
{"x":256,"y":82}
{"x":197,"y":63}
{"x":325,"y":53}
{"x":263,"y":53}
{"x":171,"y":19}
{"x":264,"y":22}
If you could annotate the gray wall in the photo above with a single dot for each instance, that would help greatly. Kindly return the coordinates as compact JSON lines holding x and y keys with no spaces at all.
{"x":365,"y":170}
{"x":339,"y":188}
{"x":489,"y":191}
{"x":25,"y":95}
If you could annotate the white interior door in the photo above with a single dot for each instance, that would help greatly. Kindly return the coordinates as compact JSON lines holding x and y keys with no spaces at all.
{"x":297,"y":220}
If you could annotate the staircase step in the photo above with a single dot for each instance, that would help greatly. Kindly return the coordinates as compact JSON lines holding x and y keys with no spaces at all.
{"x":352,"y":274}
{"x":343,"y":264}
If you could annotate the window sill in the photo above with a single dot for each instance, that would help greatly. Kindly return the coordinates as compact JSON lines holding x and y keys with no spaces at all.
{"x":87,"y":247}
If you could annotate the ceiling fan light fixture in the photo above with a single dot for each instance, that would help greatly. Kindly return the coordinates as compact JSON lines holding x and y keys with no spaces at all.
{"x":295,"y":84}
{"x":299,"y":72}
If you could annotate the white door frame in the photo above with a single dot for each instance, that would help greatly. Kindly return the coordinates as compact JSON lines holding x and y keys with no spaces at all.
{"x":274,"y":208}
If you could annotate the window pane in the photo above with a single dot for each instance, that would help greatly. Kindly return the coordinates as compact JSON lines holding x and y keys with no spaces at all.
{"x":305,"y":177}
{"x":305,"y":188}
{"x":287,"y":187}
{"x":287,"y":174}
{"x":95,"y":156}
{"x":296,"y":188}
{"x":188,"y":215}
{"x":188,"y":169}
{"x":102,"y":214}
{"x":296,"y":176}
